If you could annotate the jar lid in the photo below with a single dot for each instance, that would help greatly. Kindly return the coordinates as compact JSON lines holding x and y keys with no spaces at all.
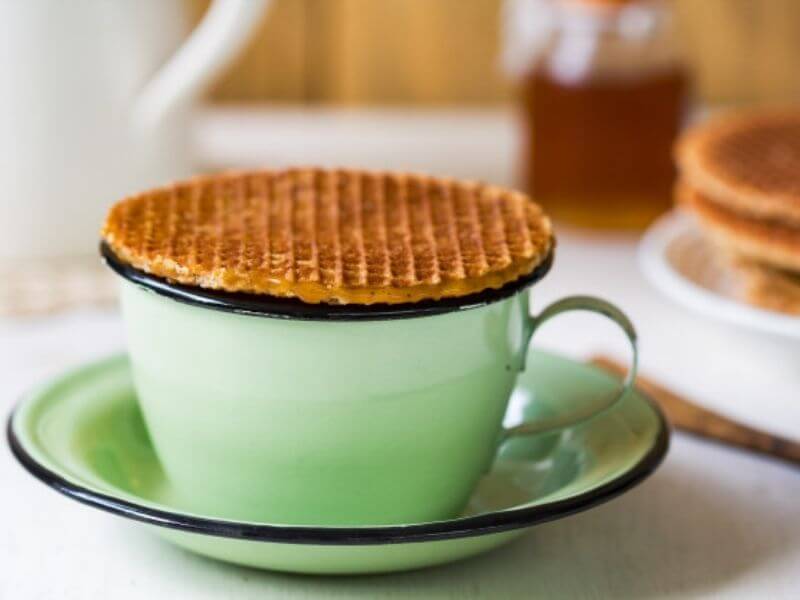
{"x":528,"y":25}
{"x":604,"y":3}
{"x":609,"y":5}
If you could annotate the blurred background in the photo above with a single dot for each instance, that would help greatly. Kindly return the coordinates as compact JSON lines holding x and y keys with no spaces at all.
{"x":576,"y":101}
{"x":446,"y":52}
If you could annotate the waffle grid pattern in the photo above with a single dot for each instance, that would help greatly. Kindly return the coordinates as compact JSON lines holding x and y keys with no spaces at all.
{"x":748,"y":162}
{"x":332,"y":235}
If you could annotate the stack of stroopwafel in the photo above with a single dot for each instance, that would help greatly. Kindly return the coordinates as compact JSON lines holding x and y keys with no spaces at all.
{"x":740,"y":176}
{"x":332,"y":236}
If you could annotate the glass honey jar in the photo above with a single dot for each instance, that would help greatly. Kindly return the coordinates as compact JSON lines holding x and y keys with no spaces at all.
{"x":604,"y":93}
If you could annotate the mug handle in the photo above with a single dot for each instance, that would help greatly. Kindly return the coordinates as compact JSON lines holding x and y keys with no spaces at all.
{"x":225,"y":29}
{"x":600,"y":405}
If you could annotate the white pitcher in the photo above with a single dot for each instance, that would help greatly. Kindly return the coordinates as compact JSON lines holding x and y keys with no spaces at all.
{"x":92,"y":107}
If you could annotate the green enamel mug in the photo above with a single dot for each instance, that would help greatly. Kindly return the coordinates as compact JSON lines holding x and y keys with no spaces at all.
{"x":272,"y":410}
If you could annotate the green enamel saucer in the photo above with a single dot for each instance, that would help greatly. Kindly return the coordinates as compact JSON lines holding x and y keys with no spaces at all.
{"x":83,"y":435}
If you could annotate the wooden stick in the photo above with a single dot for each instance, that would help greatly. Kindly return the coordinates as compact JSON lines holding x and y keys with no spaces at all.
{"x":687,"y":416}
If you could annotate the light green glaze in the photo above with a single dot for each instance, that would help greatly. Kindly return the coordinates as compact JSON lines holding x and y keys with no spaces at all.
{"x":325,"y":422}
{"x":308,"y":422}
{"x":87,"y":428}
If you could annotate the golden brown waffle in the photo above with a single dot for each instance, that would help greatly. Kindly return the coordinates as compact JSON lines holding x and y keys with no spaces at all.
{"x":768,"y":288}
{"x":748,"y":162}
{"x":333,"y":236}
{"x":767,"y":241}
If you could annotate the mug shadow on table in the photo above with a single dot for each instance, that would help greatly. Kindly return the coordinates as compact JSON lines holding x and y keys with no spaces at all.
{"x":680,"y":532}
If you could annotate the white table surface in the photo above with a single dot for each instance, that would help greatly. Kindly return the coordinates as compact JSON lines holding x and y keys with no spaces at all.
{"x":712,"y":522}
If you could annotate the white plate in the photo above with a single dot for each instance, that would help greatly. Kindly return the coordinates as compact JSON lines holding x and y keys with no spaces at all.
{"x":680,"y":264}
{"x":739,"y":360}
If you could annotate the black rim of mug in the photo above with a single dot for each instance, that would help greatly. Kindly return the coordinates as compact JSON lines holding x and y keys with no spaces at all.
{"x":291,"y":308}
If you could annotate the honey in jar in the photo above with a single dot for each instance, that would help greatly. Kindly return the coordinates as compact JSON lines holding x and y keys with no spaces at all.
{"x":603,"y":101}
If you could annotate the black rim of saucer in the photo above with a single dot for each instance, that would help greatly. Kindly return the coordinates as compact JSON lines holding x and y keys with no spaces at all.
{"x":290,"y":308}
{"x":483,"y":524}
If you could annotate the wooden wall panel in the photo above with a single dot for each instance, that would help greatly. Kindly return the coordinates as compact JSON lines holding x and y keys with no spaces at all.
{"x":743,"y":50}
{"x":445,"y":51}
{"x":272,"y":68}
{"x":431,"y":51}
